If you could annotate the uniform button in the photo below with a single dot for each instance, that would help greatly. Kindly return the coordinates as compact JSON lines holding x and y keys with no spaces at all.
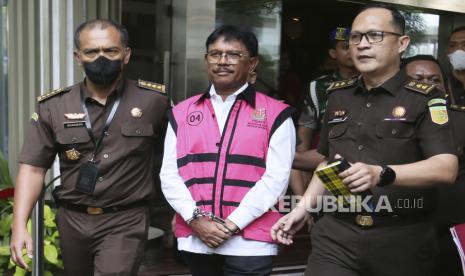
{"x":360,"y":147}
{"x":368,"y":104}
{"x":74,"y":139}
{"x":359,"y":124}
{"x":394,"y":131}
{"x":100,"y":179}
{"x":106,"y":156}
{"x":138,"y":131}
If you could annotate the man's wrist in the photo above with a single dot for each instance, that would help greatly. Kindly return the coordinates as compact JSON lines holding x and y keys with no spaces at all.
{"x":195,"y":215}
{"x":231,"y":226}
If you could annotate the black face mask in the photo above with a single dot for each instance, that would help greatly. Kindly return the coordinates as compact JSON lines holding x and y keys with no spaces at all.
{"x":103,"y":71}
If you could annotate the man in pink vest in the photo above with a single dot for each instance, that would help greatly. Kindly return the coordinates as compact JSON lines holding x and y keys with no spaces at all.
{"x":228,"y":155}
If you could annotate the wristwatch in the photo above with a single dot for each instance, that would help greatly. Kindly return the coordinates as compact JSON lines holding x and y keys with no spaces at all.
{"x":386,"y":177}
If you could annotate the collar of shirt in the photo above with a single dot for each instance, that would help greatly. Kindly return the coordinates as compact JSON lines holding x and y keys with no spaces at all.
{"x":392,"y":85}
{"x":246,"y":92}
{"x":118,"y":91}
{"x":232,"y":97}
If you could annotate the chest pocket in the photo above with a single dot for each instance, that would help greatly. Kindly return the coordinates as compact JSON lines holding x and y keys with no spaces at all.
{"x":394,"y":129}
{"x":74,"y":142}
{"x":138,"y":137}
{"x":137,"y":130}
{"x":73,"y":136}
{"x":337,"y":130}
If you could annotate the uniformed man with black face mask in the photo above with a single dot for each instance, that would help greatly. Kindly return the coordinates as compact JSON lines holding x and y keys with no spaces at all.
{"x":103,"y":130}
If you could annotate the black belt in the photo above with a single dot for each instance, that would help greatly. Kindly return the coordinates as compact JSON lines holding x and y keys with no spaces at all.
{"x":92,"y":210}
{"x":376,"y":220}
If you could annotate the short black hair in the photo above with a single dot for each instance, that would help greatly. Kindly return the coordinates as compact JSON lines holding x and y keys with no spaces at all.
{"x":408,"y":60}
{"x":103,"y":24}
{"x":458,"y":29}
{"x":398,"y":20}
{"x":230,"y":33}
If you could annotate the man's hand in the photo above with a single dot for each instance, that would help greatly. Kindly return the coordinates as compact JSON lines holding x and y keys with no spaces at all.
{"x":361,"y":177}
{"x":284,"y":229}
{"x":212,"y":233}
{"x":29,"y":184}
{"x":20,"y":238}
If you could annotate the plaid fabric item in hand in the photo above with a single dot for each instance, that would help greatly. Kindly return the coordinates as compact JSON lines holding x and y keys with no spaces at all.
{"x":329,"y":175}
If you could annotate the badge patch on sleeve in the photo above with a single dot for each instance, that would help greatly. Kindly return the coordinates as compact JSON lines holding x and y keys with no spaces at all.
{"x":439,"y":114}
{"x":436,"y":101}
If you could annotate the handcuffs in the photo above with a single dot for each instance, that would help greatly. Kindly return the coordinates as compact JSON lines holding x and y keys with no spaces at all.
{"x":198,"y":213}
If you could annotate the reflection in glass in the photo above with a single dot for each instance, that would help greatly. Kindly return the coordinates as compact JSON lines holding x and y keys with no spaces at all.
{"x":423,"y":31}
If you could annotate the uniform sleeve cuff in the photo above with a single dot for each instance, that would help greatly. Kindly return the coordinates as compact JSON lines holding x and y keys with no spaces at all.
{"x":241,"y":218}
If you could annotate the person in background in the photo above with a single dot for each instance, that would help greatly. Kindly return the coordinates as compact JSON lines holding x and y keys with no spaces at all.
{"x":450,"y":205}
{"x":456,"y":54}
{"x":309,"y":123}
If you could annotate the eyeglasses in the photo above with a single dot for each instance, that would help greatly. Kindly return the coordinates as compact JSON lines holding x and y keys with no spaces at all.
{"x":214,"y":57}
{"x":372,"y":37}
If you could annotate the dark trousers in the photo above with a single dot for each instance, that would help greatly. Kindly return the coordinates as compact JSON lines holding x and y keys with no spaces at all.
{"x":341,"y":248}
{"x":108,"y":244}
{"x":218,"y":265}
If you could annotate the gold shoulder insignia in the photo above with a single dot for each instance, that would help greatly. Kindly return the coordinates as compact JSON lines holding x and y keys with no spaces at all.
{"x":151,"y":86}
{"x":421,"y":87}
{"x":52,"y":93}
{"x":341,"y":84}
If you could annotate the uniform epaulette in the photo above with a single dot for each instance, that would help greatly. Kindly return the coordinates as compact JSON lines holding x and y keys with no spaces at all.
{"x":52,"y":93}
{"x":420,"y":87}
{"x":151,"y":86}
{"x":340,"y":84}
{"x":457,"y":107}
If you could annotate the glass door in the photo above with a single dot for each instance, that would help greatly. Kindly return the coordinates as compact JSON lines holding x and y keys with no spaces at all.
{"x":149,"y":25}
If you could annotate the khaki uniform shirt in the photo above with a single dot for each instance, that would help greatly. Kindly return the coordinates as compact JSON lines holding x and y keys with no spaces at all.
{"x":391,"y":124}
{"x":125,"y":160}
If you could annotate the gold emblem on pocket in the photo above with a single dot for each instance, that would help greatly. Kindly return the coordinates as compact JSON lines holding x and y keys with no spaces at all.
{"x":72,"y":154}
{"x":398,"y":112}
{"x":136,"y":112}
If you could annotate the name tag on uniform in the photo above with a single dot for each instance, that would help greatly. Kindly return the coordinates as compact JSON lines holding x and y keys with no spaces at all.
{"x":74,"y":124}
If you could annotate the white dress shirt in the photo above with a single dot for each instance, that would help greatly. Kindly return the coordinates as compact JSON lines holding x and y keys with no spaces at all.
{"x":258,"y":200}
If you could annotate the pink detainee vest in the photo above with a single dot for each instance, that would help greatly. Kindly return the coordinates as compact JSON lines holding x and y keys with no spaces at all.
{"x":219,"y":169}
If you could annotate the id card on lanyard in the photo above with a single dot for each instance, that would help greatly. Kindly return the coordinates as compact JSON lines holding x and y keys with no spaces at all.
{"x":89,"y":172}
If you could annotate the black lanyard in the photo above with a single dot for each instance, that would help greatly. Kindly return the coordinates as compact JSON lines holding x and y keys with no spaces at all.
{"x":98,"y":144}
